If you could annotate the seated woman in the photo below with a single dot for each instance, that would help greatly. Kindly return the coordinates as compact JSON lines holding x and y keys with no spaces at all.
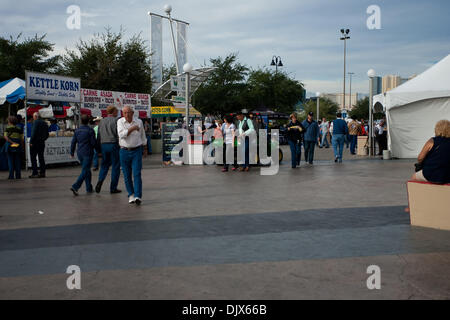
{"x":435,"y":156}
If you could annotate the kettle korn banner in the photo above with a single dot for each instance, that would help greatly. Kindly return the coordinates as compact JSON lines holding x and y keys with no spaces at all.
{"x":50,"y":87}
{"x":98,"y":100}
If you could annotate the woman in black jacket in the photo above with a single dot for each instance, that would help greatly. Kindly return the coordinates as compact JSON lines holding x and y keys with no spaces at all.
{"x":295,"y":132}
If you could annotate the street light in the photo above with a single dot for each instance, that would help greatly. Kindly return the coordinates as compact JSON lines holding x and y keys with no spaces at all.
{"x":276,"y":61}
{"x":371,"y":74}
{"x":350,"y":103}
{"x":318,"y":104}
{"x":344,"y":37}
{"x":187,"y":68}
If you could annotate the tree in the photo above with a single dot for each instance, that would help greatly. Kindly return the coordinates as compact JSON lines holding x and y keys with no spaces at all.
{"x":274,"y":90}
{"x":361,"y":110}
{"x":223,"y":91}
{"x":327,"y":109}
{"x":108,"y":63}
{"x":30,"y":54}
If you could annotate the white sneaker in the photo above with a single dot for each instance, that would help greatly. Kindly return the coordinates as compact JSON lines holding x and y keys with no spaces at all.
{"x":137,"y":201}
{"x":131,"y":199}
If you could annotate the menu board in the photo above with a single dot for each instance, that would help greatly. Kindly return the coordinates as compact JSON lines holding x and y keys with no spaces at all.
{"x":167,"y":143}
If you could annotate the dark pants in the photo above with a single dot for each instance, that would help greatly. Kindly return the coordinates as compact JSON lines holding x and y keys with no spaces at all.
{"x":309,"y":151}
{"x":296,"y":153}
{"x":14,"y":159}
{"x":246,"y":154}
{"x":110,"y":154}
{"x":353,"y":142}
{"x":131,"y":162}
{"x":86,"y":175}
{"x":37,"y":150}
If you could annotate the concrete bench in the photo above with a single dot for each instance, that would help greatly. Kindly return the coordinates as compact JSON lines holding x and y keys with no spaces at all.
{"x":429,"y":204}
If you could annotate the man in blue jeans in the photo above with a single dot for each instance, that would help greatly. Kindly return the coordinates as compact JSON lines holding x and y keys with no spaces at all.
{"x":84,"y":137}
{"x":339,"y":130}
{"x":132,"y":140}
{"x":310,"y":137}
{"x":108,"y":138}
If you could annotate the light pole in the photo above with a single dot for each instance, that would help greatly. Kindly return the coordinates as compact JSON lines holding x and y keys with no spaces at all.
{"x":350,"y":103}
{"x":318,"y":105}
{"x":344,"y":37}
{"x":187,"y":68}
{"x":371,"y":74}
{"x":276,"y":61}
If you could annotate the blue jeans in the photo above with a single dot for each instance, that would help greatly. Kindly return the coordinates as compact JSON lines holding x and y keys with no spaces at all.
{"x":14,"y":165}
{"x":353,"y":142}
{"x":86,"y":175}
{"x":110,"y":153}
{"x":149,"y":145}
{"x":131,"y":162}
{"x":296,"y":152}
{"x":95,"y":159}
{"x":324,"y":139}
{"x":338,"y":143}
{"x":246,"y":154}
{"x":309,"y":151}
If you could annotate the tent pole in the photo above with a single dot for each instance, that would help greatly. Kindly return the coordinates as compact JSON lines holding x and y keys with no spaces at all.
{"x":25,"y":137}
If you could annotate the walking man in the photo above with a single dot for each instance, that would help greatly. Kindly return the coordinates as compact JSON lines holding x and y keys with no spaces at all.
{"x":132,"y":139}
{"x":354,"y":129}
{"x":84,"y":137}
{"x":324,"y":129}
{"x":39,"y":133}
{"x":339,"y":130}
{"x":310,"y":137}
{"x":108,"y":139}
{"x":245,"y":130}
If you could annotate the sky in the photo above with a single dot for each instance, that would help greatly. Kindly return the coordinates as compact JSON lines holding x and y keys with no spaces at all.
{"x":412,"y":35}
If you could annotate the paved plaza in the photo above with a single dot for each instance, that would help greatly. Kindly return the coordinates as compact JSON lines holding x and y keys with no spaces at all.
{"x":305,"y":233}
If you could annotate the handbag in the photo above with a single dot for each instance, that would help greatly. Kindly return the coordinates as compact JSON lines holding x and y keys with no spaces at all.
{"x":418,"y":166}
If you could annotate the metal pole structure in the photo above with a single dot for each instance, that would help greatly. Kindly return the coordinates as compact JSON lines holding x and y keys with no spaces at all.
{"x":26,"y":134}
{"x":188,"y":80}
{"x":371,"y":74}
{"x":318,"y":105}
{"x":168,"y":9}
{"x":344,"y":37}
{"x":350,"y":102}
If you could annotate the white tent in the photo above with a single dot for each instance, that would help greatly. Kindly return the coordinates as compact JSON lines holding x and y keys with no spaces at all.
{"x":413,"y":108}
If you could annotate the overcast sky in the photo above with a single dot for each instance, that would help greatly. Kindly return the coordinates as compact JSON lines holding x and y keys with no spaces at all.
{"x":305,"y":33}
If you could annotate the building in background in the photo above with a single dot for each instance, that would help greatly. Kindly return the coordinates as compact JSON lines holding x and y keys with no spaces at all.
{"x":337,"y":98}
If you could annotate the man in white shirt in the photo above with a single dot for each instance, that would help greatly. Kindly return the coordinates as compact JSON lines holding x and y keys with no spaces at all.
{"x":132,"y":140}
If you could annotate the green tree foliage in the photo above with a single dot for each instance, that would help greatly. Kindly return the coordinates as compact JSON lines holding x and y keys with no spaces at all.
{"x":224,"y":90}
{"x":273,"y":90}
{"x":108,"y":63}
{"x":31,"y":54}
{"x":327,"y":109}
{"x":361,"y":110}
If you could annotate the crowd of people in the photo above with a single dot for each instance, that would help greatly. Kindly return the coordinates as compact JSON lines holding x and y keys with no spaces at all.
{"x":122,"y":142}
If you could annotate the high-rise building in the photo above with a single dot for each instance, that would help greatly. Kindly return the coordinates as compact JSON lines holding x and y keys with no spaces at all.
{"x":390,"y":82}
{"x":377,"y":86}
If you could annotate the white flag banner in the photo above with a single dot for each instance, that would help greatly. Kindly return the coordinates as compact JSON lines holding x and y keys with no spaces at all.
{"x":156,"y":47}
{"x":181,"y":44}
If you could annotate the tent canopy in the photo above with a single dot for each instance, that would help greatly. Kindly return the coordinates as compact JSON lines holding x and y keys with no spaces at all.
{"x":432,"y":83}
{"x":413,"y":109}
{"x":12,"y":90}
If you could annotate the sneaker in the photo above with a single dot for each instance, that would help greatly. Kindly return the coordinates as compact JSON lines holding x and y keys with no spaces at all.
{"x":116,"y":191}
{"x":75,"y":192}
{"x":131,"y":199}
{"x":336,"y":159}
{"x":138,"y":201}
{"x":98,"y":187}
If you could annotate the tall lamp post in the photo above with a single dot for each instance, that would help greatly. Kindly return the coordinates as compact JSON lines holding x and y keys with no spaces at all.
{"x":318,"y":105}
{"x":345,"y":37}
{"x":187,"y":68}
{"x":350,"y":103}
{"x":276,"y":61}
{"x":371,"y":73}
